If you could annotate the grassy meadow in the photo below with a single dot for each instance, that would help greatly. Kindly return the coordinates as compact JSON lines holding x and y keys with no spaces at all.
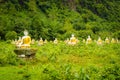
{"x":62,"y":62}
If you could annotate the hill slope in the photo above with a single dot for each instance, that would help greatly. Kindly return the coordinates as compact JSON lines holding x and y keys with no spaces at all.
{"x":51,"y":18}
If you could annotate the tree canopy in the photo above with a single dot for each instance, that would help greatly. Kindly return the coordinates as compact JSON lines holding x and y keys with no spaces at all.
{"x":60,"y":18}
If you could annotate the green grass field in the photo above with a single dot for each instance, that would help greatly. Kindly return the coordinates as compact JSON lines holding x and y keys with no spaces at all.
{"x":62,"y":62}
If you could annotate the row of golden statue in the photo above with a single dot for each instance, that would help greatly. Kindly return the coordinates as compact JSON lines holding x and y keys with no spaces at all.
{"x":25,"y":41}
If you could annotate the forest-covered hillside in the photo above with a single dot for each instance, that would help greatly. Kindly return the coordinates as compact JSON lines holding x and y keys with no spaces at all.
{"x":59,"y":18}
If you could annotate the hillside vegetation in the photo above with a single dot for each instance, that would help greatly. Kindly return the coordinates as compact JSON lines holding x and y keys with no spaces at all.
{"x":60,"y":18}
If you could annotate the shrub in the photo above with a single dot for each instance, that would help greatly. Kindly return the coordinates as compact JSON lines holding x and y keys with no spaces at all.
{"x":10,"y":35}
{"x":117,"y":34}
{"x":84,"y":33}
{"x":104,"y":34}
{"x":111,"y":73}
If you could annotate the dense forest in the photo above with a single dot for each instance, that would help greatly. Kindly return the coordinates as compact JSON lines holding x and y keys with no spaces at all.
{"x":51,"y":19}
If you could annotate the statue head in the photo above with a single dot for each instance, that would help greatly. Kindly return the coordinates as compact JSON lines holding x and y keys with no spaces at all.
{"x":72,"y":35}
{"x":99,"y":38}
{"x":25,"y":32}
{"x":88,"y":36}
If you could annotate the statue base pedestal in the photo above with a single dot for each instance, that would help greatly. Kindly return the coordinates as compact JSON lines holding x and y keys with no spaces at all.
{"x":25,"y":53}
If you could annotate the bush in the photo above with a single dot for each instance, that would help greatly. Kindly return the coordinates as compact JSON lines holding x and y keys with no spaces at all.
{"x":104,"y":34}
{"x":11,"y":35}
{"x":111,"y":73}
{"x":117,"y":34}
{"x":84,"y":33}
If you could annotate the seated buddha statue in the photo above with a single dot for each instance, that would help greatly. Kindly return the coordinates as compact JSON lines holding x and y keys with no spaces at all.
{"x":45,"y":41}
{"x":117,"y":40}
{"x":55,"y":41}
{"x":73,"y":39}
{"x":66,"y":41}
{"x":99,"y":41}
{"x":26,"y":40}
{"x":40,"y":42}
{"x":89,"y":40}
{"x":18,"y":43}
{"x":107,"y":40}
{"x":113,"y":40}
{"x":33,"y":41}
{"x":83,"y":41}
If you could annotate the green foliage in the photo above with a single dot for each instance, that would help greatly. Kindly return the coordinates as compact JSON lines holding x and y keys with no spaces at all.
{"x":62,"y":62}
{"x":11,"y":35}
{"x":84,"y":33}
{"x":105,"y":9}
{"x":117,"y":34}
{"x":111,"y":72}
{"x":50,"y":19}
{"x":104,"y":34}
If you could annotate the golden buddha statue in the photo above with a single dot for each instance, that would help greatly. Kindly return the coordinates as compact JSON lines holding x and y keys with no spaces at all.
{"x":23,"y":49}
{"x":99,"y":41}
{"x":55,"y":41}
{"x":45,"y":41}
{"x":26,"y":40}
{"x":66,"y":41}
{"x":113,"y":40}
{"x":89,"y":40}
{"x":33,"y":41}
{"x":40,"y":42}
{"x":19,"y":41}
{"x":73,"y":40}
{"x":83,"y":40}
{"x":107,"y":40}
{"x":117,"y":40}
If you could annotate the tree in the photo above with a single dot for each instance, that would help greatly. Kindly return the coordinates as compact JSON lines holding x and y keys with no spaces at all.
{"x":11,"y":35}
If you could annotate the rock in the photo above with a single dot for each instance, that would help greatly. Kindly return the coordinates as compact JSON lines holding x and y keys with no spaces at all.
{"x":25,"y":53}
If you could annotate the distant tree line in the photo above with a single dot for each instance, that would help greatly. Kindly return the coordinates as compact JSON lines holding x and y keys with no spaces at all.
{"x":59,"y":18}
